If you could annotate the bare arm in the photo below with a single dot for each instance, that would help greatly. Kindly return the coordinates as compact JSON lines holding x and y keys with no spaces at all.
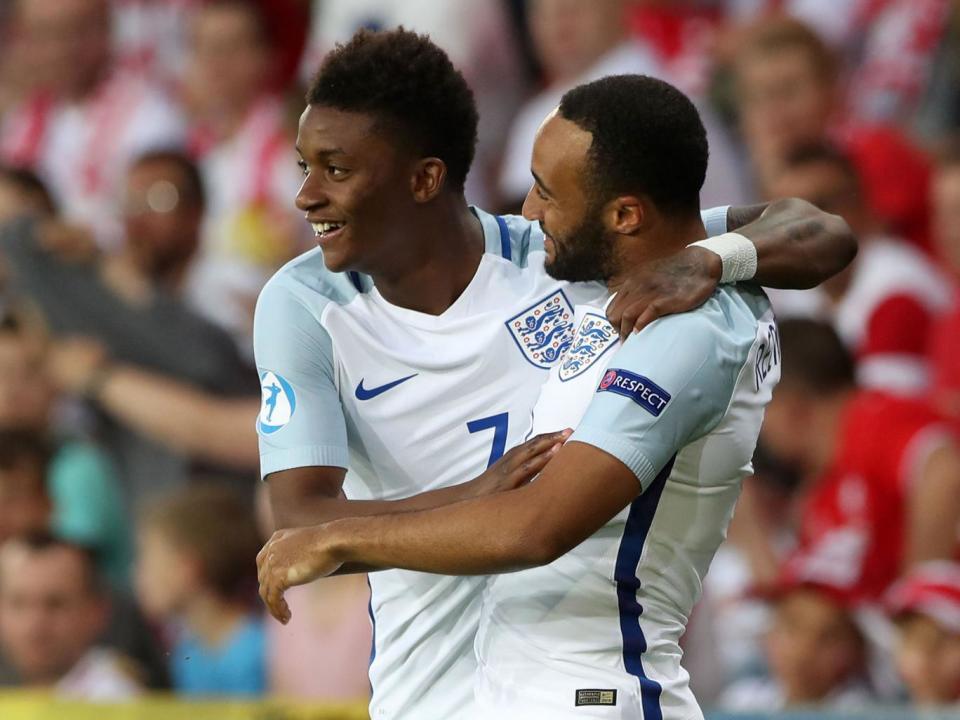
{"x":311,"y":495}
{"x":933,"y":511}
{"x":307,"y":496}
{"x":798,"y":246}
{"x":584,"y":488}
{"x":173,"y":413}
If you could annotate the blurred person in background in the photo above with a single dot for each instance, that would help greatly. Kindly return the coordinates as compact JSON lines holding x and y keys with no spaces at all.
{"x":479,"y":38}
{"x":887,"y":302}
{"x":945,"y":341}
{"x":22,"y":193}
{"x":196,"y":575}
{"x":42,"y":491}
{"x":816,"y":648}
{"x":244,"y":145}
{"x":881,"y":474}
{"x":577,"y":41}
{"x":204,"y":426}
{"x":25,"y":505}
{"x":131,"y":303}
{"x":84,"y":122}
{"x":889,"y":46}
{"x":926,"y":608}
{"x":85,"y":502}
{"x":790,"y":94}
{"x":53,"y":608}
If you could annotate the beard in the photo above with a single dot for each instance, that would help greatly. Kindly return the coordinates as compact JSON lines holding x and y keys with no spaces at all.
{"x":585,"y":254}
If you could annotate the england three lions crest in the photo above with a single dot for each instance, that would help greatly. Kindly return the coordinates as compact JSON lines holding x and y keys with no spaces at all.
{"x":593,"y":338}
{"x":544,"y":330}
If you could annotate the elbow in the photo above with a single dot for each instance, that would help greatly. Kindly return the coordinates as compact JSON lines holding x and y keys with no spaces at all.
{"x":843,"y":240}
{"x":540,"y":545}
{"x":825,"y":242}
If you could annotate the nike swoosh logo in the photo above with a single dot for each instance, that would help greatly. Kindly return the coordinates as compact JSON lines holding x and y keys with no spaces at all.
{"x":363,"y":393}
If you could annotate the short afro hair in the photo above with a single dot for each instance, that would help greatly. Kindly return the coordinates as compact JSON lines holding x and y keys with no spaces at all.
{"x":647,"y":138}
{"x":411,"y":86}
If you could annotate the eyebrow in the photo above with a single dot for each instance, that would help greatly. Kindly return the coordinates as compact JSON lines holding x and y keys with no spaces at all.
{"x":323,"y":151}
{"x":541,"y":183}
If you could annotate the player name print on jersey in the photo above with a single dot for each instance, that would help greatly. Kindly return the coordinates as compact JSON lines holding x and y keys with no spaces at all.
{"x":277,"y":404}
{"x":594,"y":337}
{"x":543,"y":331}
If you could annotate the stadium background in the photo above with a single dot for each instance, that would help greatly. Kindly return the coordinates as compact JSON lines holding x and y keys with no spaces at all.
{"x":126,"y":394}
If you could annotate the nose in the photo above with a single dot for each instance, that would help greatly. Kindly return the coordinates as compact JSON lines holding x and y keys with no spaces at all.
{"x":532,"y":206}
{"x":310,"y":195}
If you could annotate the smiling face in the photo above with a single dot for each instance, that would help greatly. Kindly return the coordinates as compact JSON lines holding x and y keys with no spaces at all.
{"x":578,"y":248}
{"x":358,"y":188}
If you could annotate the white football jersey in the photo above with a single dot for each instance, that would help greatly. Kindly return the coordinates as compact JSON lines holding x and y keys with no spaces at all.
{"x":412,"y":402}
{"x":595,"y":634}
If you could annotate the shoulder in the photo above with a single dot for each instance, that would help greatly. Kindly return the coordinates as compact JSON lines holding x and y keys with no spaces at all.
{"x":724,"y":327}
{"x":305,"y":282}
{"x":511,"y":237}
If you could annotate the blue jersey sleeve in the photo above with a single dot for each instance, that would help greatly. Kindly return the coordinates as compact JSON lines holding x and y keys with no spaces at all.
{"x":669,"y":385}
{"x":715,"y":220}
{"x":301,"y":421}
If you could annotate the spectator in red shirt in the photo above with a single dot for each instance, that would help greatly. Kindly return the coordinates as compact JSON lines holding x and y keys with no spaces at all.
{"x":926,"y":608}
{"x":881,"y":474}
{"x":945,"y":343}
{"x":885,"y":305}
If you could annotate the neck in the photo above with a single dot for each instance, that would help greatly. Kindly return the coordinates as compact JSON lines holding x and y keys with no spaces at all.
{"x":825,"y":423}
{"x":665,"y":237}
{"x":212,"y":619}
{"x":432,"y":273}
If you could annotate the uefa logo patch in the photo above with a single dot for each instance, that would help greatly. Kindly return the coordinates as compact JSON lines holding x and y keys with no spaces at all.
{"x":543,"y":331}
{"x":278,"y":403}
{"x":608,"y":379}
{"x":593,"y":338}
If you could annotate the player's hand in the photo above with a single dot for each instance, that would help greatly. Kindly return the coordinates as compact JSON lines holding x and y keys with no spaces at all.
{"x":675,"y":284}
{"x":520,"y":465}
{"x":292,"y":557}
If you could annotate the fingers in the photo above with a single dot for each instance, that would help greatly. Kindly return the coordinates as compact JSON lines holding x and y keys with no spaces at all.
{"x":542,"y":443}
{"x":532,"y":467}
{"x":650,"y":313}
{"x":272,"y":577}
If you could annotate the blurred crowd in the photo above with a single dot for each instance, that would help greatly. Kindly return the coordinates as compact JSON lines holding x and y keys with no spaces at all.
{"x":147,"y":177}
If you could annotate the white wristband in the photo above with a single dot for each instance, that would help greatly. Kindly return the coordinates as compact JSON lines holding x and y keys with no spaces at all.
{"x":738,"y":256}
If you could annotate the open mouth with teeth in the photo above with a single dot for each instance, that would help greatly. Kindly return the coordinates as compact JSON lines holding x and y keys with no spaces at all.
{"x":325,"y":229}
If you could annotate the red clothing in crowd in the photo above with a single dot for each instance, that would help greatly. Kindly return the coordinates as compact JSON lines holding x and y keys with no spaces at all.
{"x":853,"y":520}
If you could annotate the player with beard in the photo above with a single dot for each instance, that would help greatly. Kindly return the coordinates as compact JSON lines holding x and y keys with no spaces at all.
{"x":616,"y":534}
{"x":412,"y":345}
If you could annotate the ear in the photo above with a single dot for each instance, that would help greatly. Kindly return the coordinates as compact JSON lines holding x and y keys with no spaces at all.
{"x":626,"y":214}
{"x":427,"y":179}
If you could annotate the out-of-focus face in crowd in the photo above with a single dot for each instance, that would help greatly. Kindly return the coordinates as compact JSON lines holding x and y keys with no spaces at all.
{"x":229,"y":62}
{"x":24,"y":503}
{"x":829,"y":182}
{"x":785,"y":91}
{"x":946,"y":213}
{"x":163,"y":213}
{"x":165,"y":576}
{"x":26,"y":395}
{"x":570,"y":35}
{"x":813,"y":646}
{"x":928,"y":659}
{"x":67,"y":42}
{"x":50,"y":609}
